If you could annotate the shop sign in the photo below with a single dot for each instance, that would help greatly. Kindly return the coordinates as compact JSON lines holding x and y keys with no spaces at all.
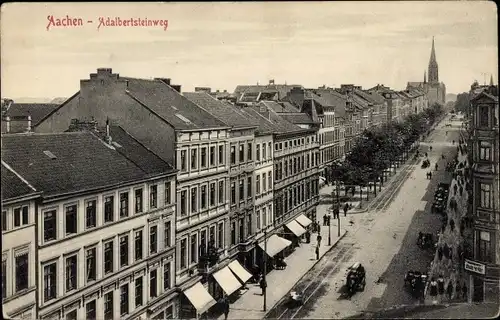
{"x":474,"y":267}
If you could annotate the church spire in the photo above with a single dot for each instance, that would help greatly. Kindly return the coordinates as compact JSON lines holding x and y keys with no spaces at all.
{"x":433,"y":66}
{"x":491,"y":80}
{"x":425,"y":76}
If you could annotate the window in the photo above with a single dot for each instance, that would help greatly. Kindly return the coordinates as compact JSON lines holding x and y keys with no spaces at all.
{"x":484,"y":247}
{"x":270,"y":180}
{"x":194,"y":246}
{"x":242,"y":190}
{"x":138,"y":201}
{"x":257,"y":185}
{"x":124,"y":299}
{"x":153,"y":239}
{"x":49,"y":225}
{"x":257,"y":215}
{"x":183,"y":160}
{"x":138,"y":245}
{"x":220,"y":236}
{"x":108,"y":209}
{"x":484,"y":116}
{"x":203,"y":157}
{"x":138,"y":292}
{"x":249,"y":151}
{"x":183,"y":203}
{"x":264,"y":217}
{"x":194,"y":199}
{"x":212,"y":194}
{"x":203,"y":197}
{"x":108,"y":306}
{"x":71,"y":273}
{"x":249,"y":224}
{"x":242,"y":232}
{"x":249,"y":187}
{"x":264,"y":182}
{"x":21,"y":216}
{"x":168,"y":193}
{"x":257,"y":152}
{"x":108,"y":257}
{"x":71,"y":220}
{"x":242,"y":153}
{"x":169,"y":313}
{"x":183,"y":254}
{"x":167,"y":279}
{"x":233,"y":192}
{"x":124,"y":251}
{"x":4,"y":279}
{"x":153,"y":196}
{"x":72,"y":315}
{"x":264,"y":151}
{"x":203,"y":241}
{"x":49,"y":282}
{"x":123,"y":204}
{"x":221,"y":191}
{"x":212,"y":156}
{"x":168,"y":234}
{"x":194,"y":159}
{"x":233,"y":232}
{"x":233,"y":154}
{"x":90,"y":310}
{"x":286,"y":168}
{"x":4,"y":221}
{"x":485,"y":201}
{"x":221,"y":154}
{"x":485,"y":151}
{"x":90,"y":264}
{"x":270,"y":147}
{"x":90,"y":214}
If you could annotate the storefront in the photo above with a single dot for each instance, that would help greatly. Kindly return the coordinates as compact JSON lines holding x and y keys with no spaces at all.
{"x":294,"y":232}
{"x":195,"y":302}
{"x":273,"y":246}
{"x":484,"y":282}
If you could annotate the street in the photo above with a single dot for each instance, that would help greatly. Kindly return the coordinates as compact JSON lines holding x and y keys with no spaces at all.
{"x":383,"y":239}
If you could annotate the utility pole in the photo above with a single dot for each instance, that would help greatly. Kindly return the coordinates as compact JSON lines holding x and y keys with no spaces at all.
{"x":264,"y":289}
{"x":338,"y":208}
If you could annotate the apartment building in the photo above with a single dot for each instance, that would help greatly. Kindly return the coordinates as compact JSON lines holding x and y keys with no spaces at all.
{"x":484,"y":267}
{"x":183,"y":134}
{"x":104,"y":225}
{"x":249,"y":95}
{"x":19,"y":249}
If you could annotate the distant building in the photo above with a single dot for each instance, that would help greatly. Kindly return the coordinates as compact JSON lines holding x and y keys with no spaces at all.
{"x":435,"y":90}
{"x":22,"y":117}
{"x":251,"y":94}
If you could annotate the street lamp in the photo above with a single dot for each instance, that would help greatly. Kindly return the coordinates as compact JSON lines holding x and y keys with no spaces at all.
{"x":264,"y":284}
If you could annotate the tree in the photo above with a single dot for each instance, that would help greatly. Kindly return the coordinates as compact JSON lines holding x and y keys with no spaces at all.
{"x":462,"y":102}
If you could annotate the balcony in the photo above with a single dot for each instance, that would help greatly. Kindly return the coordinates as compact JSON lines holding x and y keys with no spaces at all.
{"x":208,"y":258}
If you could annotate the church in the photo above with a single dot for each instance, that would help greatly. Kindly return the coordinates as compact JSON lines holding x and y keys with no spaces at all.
{"x":435,"y":90}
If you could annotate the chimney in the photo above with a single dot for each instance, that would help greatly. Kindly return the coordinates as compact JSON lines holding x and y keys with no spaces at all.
{"x":225,"y":90}
{"x":108,"y":136}
{"x":7,"y":124}
{"x":176,"y":88}
{"x":29,"y":124}
{"x":262,"y":107}
{"x":271,"y":81}
{"x":164,"y":80}
{"x":82,"y":125}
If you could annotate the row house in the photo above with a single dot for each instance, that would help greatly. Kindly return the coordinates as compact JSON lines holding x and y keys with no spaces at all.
{"x":19,"y":206}
{"x":378,"y":107}
{"x":104,"y":236}
{"x":22,"y":117}
{"x":189,"y":138}
{"x":394,"y":102}
{"x":249,"y":95}
{"x":483,"y":267}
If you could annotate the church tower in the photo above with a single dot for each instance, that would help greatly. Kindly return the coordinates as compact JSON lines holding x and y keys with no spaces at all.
{"x":433,"y":66}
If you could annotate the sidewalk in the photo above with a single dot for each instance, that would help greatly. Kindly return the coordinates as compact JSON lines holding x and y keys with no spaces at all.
{"x":280,"y":282}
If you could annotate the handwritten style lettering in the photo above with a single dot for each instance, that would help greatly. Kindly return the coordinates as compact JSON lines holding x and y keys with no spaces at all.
{"x":64,"y":22}
{"x":139,"y":22}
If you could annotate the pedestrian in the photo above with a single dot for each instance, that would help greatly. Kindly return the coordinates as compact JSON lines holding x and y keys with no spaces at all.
{"x":317,"y":252}
{"x":346,"y":207}
{"x":436,"y":166}
{"x":308,"y":236}
{"x":318,"y":238}
{"x":440,"y":282}
{"x":434,"y":288}
{"x":263,"y":285}
{"x":319,"y":229}
{"x":328,"y":220}
{"x":430,"y":175}
{"x":225,"y":307}
{"x":324,"y":219}
{"x":449,"y":290}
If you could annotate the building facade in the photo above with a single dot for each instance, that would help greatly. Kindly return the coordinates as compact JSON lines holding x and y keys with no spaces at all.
{"x":484,"y":266}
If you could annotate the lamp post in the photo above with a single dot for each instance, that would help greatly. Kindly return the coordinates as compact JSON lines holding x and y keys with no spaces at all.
{"x":338,"y":209}
{"x":264,"y":289}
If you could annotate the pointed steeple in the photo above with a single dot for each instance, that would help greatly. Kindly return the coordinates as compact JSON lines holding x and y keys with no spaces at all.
{"x":433,"y":66}
{"x":491,"y":80}
{"x":425,"y":76}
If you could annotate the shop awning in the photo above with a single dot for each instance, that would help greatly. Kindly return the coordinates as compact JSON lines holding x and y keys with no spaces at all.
{"x":199,"y":297}
{"x":227,"y":280}
{"x":240,"y":272}
{"x":296,"y":228}
{"x":275,"y":244}
{"x":303,"y":220}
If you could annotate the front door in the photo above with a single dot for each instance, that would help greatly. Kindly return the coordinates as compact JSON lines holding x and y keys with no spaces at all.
{"x":478,"y":290}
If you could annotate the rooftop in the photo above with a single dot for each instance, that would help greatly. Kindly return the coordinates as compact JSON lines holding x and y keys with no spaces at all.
{"x":37,"y":111}
{"x":14,"y":186}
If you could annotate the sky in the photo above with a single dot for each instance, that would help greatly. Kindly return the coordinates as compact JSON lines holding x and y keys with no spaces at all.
{"x":222,"y":45}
